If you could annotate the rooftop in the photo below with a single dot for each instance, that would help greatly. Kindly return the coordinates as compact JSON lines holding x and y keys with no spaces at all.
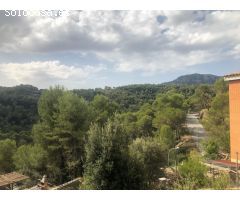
{"x":232,"y":77}
{"x":10,"y":178}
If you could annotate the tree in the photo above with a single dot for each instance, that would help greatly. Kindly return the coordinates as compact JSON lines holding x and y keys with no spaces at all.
{"x":18,"y":105}
{"x":30,"y":160}
{"x":106,"y":164}
{"x":18,"y":108}
{"x":166,"y":137}
{"x":169,"y":110}
{"x":148,"y":156}
{"x":103,"y":108}
{"x":7,"y":150}
{"x":172,"y":117}
{"x":144,"y":126}
{"x":144,"y":120}
{"x":220,"y":86}
{"x":203,"y":96}
{"x":137,"y":124}
{"x":48,"y":105}
{"x":216,"y":121}
{"x":170,"y":99}
{"x":129,"y":122}
{"x":61,"y":131}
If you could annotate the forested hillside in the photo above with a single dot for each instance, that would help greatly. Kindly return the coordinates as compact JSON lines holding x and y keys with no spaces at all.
{"x":131,"y":97}
{"x":195,"y":79}
{"x":18,"y":105}
{"x":110,"y":148}
{"x":115,"y":138}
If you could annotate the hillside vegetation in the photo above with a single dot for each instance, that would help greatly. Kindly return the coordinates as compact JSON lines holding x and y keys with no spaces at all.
{"x":115,"y":138}
{"x":193,"y":79}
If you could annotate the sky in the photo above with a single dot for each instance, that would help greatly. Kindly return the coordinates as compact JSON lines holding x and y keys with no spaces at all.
{"x":93,"y":49}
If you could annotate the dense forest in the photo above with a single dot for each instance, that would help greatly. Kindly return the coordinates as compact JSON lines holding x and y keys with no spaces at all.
{"x":115,"y":138}
{"x":18,"y":105}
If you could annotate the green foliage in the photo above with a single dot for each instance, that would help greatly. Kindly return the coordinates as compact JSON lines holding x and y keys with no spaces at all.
{"x":192,"y":172}
{"x":132,"y":97}
{"x":216,"y":118}
{"x":103,"y":108}
{"x":7,"y":150}
{"x":138,"y":124}
{"x":144,"y":125}
{"x":145,"y":117}
{"x":211,"y":149}
{"x":73,"y":113}
{"x":191,"y":79}
{"x":21,"y":138}
{"x":220,"y":86}
{"x":64,"y":121}
{"x":216,"y":121}
{"x":112,"y":163}
{"x":166,"y":137}
{"x":30,"y":160}
{"x":221,"y":182}
{"x":123,"y":149}
{"x":147,"y":155}
{"x":173,"y":117}
{"x":106,"y":157}
{"x":194,"y":175}
{"x":48,"y":105}
{"x":18,"y":108}
{"x":18,"y":105}
{"x":170,"y":99}
{"x":203,"y":97}
{"x":129,"y":121}
{"x":169,"y":110}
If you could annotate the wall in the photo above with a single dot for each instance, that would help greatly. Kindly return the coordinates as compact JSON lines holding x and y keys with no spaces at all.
{"x":234,"y":97}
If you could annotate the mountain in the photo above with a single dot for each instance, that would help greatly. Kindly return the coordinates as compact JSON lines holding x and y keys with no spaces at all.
{"x":193,"y":79}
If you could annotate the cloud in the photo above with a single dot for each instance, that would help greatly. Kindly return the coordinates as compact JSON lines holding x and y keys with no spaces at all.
{"x":145,"y":41}
{"x":43,"y":74}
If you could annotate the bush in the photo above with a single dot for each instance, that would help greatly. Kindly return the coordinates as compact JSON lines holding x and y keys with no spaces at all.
{"x":193,"y":174}
{"x":221,"y":182}
{"x":211,"y":149}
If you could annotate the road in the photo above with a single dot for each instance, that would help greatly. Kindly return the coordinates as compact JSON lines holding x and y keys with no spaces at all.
{"x":196,"y":129}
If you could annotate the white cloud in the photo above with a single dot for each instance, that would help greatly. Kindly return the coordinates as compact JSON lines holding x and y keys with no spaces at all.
{"x":131,"y":40}
{"x":43,"y":74}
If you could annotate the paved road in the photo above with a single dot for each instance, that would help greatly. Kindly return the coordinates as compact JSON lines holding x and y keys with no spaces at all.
{"x":196,"y":129}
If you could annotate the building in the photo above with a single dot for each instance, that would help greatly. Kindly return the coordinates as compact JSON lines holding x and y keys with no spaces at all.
{"x":11,"y":180}
{"x":234,"y":108}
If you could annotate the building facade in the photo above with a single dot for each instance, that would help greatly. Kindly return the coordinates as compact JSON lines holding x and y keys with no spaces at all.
{"x":234,"y":109}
